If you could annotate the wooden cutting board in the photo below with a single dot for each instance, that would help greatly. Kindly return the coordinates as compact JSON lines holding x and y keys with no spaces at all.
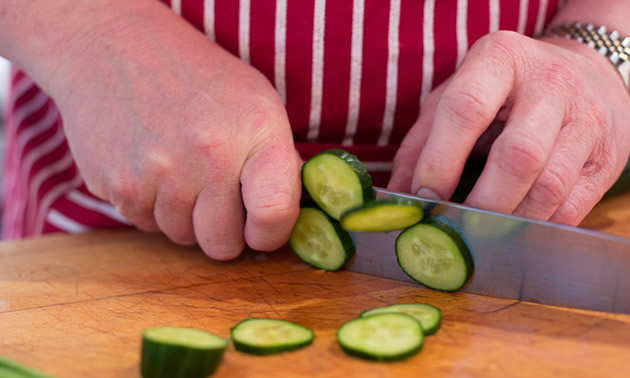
{"x":74,"y":306}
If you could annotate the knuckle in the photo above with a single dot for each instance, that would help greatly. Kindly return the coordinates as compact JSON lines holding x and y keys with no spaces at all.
{"x":521,"y":155}
{"x":503,"y":48}
{"x":157,"y":163}
{"x":273,"y":209}
{"x":264,"y":123}
{"x":123,"y":189}
{"x":207,"y":144}
{"x":557,"y":78}
{"x":569,"y":214}
{"x":467,"y":105}
{"x":550,"y":189}
{"x":597,"y":117}
{"x":601,"y":163}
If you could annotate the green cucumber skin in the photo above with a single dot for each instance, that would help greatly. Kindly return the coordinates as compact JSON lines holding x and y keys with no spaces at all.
{"x":13,"y":369}
{"x":433,"y":330}
{"x":428,"y":331}
{"x":198,"y":364}
{"x":343,"y":235}
{"x":465,"y":252}
{"x":436,"y":327}
{"x":367,"y":356}
{"x":364,"y":176}
{"x":266,"y":350}
{"x":380,"y":202}
{"x":262,"y":351}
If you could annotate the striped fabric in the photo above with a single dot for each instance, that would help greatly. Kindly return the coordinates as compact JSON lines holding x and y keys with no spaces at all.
{"x":352,"y":73}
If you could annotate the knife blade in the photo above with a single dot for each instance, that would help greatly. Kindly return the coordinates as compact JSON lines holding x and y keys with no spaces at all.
{"x":518,"y":258}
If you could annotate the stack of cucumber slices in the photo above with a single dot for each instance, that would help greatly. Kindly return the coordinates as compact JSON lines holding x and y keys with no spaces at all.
{"x":427,"y":250}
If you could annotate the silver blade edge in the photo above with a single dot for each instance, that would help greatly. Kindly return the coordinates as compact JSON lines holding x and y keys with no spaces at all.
{"x":518,"y":258}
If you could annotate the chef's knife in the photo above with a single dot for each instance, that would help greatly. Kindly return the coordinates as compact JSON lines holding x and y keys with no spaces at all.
{"x":518,"y":258}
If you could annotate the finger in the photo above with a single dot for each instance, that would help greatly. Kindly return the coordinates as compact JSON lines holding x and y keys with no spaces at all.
{"x":518,"y":155}
{"x":141,"y":218}
{"x":174,"y":213}
{"x":411,"y":146}
{"x":585,"y":194}
{"x":218,"y":217}
{"x":468,"y":105}
{"x":133,"y":202}
{"x":560,"y":174}
{"x":271,"y":194}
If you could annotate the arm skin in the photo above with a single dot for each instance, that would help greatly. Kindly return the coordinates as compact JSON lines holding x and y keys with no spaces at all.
{"x":179,"y":135}
{"x":566,"y":137}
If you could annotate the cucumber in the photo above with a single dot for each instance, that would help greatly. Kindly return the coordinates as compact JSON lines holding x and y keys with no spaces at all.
{"x":319,"y":241}
{"x":337,"y":181}
{"x":434,"y":255}
{"x":382,"y":215}
{"x":477,"y":225}
{"x":430,"y":317}
{"x":180,"y":352}
{"x":269,"y":336}
{"x":381,"y":337}
{"x":13,"y":369}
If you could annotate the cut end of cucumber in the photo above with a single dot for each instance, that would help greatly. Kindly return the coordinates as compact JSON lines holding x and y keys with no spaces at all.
{"x":435,"y":256}
{"x":186,"y":337}
{"x":180,"y":353}
{"x":381,"y":216}
{"x":268,"y":336}
{"x":381,"y":337}
{"x":337,"y":181}
{"x":318,"y":240}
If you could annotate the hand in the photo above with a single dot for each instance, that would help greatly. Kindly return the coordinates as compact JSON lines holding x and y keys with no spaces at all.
{"x":566,"y":138}
{"x":181,"y":137}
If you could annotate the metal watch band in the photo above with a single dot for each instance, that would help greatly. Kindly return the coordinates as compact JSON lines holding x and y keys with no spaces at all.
{"x":608,"y":44}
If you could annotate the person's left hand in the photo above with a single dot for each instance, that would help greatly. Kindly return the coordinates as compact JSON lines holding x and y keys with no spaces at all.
{"x":566,"y":138}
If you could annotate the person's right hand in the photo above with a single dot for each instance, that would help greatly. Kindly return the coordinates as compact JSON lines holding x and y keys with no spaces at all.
{"x":179,"y":135}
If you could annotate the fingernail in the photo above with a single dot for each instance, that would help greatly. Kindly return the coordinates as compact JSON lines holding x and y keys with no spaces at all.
{"x":428,"y":194}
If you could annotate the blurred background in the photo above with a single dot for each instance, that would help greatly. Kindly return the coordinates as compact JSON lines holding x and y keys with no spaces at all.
{"x":4,"y":90}
{"x":4,"y":86}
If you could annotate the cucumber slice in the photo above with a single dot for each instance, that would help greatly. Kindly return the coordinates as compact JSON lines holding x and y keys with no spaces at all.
{"x":269,"y":336}
{"x":180,"y":352}
{"x":430,"y":317}
{"x":382,"y":216}
{"x":337,"y":181}
{"x":381,"y":337}
{"x":477,"y":225}
{"x":319,"y":241}
{"x":434,"y":255}
{"x":13,"y":369}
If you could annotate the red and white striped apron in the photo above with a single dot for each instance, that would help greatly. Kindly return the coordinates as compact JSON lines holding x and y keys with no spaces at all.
{"x":352,"y":74}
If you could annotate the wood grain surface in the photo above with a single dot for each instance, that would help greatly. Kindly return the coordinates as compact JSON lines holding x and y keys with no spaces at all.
{"x":74,"y":306}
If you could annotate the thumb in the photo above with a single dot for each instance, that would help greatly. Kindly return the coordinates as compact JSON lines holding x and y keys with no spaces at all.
{"x":271,"y":190}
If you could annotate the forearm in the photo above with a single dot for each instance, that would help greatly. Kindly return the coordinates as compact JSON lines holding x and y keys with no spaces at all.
{"x":614,"y":14}
{"x":39,"y":36}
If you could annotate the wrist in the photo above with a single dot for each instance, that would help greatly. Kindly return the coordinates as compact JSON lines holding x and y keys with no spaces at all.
{"x":593,"y":56}
{"x":608,"y":44}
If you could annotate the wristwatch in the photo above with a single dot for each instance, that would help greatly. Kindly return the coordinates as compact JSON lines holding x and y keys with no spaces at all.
{"x":608,"y":44}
